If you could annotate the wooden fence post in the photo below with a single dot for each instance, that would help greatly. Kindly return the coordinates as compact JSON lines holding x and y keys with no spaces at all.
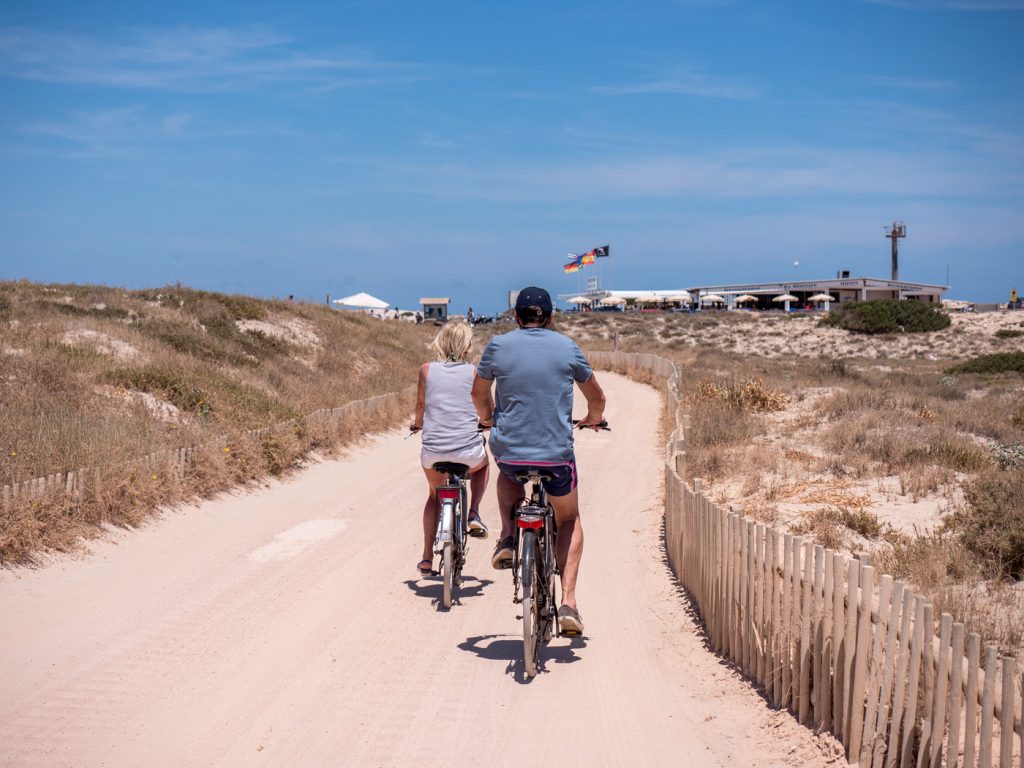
{"x":910,"y":713}
{"x":805,"y":632}
{"x":875,"y":667}
{"x":939,"y":707}
{"x":988,"y":701}
{"x":1009,"y":706}
{"x":867,"y":574}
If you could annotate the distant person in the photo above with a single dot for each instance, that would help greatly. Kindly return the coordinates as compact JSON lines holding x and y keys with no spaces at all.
{"x":445,"y":413}
{"x":470,"y":318}
{"x":419,"y":318}
{"x":533,"y":370}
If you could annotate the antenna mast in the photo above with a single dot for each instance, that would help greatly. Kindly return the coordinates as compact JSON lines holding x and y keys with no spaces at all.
{"x":894,"y":233}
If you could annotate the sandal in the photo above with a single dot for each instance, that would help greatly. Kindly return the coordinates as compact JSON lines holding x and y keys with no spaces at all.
{"x":425,"y":571}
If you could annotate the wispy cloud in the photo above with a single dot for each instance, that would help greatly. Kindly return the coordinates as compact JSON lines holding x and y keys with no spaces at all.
{"x":912,"y":83}
{"x":684,"y":81}
{"x":954,"y":5}
{"x":187,"y":59}
{"x":770,"y":173}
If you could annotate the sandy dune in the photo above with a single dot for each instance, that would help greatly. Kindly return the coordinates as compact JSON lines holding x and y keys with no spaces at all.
{"x":286,"y":627}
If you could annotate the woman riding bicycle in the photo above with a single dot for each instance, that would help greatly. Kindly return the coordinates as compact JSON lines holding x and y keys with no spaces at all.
{"x":445,"y":413}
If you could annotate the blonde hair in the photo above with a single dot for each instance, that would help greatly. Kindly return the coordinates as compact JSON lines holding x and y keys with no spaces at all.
{"x":453,"y":342}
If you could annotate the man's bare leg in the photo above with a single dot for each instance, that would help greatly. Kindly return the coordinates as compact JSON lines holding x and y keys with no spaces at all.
{"x":569,"y":548}
{"x":509,"y":492}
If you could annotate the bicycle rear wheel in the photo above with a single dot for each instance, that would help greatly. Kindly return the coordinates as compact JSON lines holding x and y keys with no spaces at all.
{"x":529,"y":580}
{"x":447,"y":554}
{"x":449,"y":575}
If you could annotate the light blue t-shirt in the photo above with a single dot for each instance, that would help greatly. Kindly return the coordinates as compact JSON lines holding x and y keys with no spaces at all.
{"x":534,"y":370}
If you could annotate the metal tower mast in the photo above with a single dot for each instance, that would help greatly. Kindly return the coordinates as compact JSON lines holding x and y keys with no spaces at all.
{"x":894,"y":232}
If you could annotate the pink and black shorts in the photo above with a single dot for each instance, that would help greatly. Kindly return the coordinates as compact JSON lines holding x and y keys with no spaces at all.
{"x":564,"y":472}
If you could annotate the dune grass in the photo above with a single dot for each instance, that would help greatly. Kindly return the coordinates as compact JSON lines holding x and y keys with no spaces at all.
{"x":94,"y":377}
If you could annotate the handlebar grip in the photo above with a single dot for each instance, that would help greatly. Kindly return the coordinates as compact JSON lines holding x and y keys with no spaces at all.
{"x":602,"y":426}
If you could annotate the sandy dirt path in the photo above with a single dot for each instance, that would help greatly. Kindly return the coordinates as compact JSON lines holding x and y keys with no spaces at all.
{"x":287,"y":627}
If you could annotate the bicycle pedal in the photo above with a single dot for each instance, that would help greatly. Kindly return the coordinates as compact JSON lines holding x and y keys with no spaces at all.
{"x":571,"y":633}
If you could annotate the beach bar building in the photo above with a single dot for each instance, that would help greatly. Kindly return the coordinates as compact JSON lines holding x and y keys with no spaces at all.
{"x":435,"y":309}
{"x":841,"y":289}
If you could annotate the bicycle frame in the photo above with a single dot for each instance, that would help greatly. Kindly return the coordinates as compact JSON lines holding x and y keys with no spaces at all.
{"x":537,"y":515}
{"x":452,"y":503}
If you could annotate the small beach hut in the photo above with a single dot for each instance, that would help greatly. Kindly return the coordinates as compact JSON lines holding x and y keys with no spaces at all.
{"x":435,"y":309}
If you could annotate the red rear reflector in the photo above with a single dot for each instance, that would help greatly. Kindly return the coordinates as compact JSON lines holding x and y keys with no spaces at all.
{"x":447,"y":493}
{"x":530,"y":523}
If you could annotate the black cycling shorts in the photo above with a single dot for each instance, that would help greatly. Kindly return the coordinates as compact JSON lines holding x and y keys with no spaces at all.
{"x":564,"y":472}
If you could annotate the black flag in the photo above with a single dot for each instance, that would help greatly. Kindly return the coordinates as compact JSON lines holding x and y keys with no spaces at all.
{"x":602,"y":251}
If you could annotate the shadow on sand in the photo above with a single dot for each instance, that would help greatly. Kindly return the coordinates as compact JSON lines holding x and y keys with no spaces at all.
{"x":509,"y":649}
{"x":431,"y":587}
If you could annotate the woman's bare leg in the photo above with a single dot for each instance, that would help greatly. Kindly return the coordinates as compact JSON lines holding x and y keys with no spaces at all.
{"x":434,"y":479}
{"x":478,"y":479}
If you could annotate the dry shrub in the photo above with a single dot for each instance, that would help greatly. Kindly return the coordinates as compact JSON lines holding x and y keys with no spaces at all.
{"x":991,"y":524}
{"x":824,"y":527}
{"x":923,"y":481}
{"x":949,"y":576}
{"x":762,"y":511}
{"x":747,"y":396}
{"x":716,"y":423}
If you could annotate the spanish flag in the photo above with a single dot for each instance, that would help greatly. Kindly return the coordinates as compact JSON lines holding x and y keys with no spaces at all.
{"x":588,"y":258}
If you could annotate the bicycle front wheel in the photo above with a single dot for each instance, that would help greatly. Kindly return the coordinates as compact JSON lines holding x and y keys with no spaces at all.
{"x":529,"y":579}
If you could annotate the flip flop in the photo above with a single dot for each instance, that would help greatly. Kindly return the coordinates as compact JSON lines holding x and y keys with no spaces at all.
{"x":425,"y":571}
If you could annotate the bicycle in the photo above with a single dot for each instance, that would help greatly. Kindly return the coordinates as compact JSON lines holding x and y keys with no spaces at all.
{"x":452,"y":526}
{"x":534,"y":566}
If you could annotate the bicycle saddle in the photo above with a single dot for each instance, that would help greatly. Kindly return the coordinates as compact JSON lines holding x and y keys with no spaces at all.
{"x":543,"y":473}
{"x":451,"y":468}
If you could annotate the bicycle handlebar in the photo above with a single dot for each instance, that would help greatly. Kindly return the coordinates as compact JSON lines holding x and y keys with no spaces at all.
{"x":602,"y":426}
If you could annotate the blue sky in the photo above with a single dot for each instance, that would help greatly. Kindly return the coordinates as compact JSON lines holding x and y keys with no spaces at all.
{"x":463,"y":148}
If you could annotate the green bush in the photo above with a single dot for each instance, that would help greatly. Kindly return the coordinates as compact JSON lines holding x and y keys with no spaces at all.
{"x":887,"y":316}
{"x":992,"y":524}
{"x":1008,"y":333}
{"x":1001,"y":362}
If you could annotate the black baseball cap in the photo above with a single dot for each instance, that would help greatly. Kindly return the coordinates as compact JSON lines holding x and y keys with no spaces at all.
{"x":533,"y":296}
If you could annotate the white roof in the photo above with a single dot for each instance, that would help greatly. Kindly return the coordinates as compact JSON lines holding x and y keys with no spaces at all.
{"x":362,"y":301}
{"x":435,"y":301}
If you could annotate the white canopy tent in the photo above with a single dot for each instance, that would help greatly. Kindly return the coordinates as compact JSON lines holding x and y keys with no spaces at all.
{"x":361,"y":301}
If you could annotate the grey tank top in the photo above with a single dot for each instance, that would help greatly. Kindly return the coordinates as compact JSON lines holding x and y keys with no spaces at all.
{"x":449,"y":418}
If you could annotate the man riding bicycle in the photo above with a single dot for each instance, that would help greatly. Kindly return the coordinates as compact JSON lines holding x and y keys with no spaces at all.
{"x":533,"y":370}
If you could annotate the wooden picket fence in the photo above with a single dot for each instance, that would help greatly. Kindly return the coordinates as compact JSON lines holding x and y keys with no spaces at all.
{"x":72,"y":484}
{"x":846,"y":650}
